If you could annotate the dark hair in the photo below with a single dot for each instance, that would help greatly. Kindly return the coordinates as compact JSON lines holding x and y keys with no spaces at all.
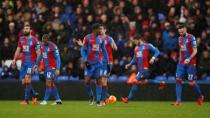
{"x":45,"y":36}
{"x":95,"y":26}
{"x":181,"y":25}
{"x":137,"y":37}
{"x":102,"y":25}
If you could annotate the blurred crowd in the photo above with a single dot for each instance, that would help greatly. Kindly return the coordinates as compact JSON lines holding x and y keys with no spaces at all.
{"x":67,"y":21}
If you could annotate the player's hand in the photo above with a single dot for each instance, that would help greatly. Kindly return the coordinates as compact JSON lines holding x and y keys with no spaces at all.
{"x":87,"y":65}
{"x":57,"y":72}
{"x":127,"y":66}
{"x":152,"y":60}
{"x":79,"y":42}
{"x":13,"y":62}
{"x":186,"y":61}
{"x":35,"y":67}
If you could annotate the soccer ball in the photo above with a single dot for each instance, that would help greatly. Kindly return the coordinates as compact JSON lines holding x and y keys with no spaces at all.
{"x":112,"y":99}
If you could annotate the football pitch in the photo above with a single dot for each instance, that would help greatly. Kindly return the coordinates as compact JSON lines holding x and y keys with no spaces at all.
{"x":81,"y":109}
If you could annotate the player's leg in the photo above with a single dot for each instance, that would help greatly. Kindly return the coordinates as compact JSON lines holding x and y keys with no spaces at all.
{"x":133,"y":90}
{"x":105,"y":74}
{"x":55,"y":90}
{"x":48,"y":91}
{"x":98,"y":75}
{"x":26,"y":91}
{"x":33,"y":93}
{"x":192,"y":82}
{"x":87,"y":82}
{"x":180,"y":73}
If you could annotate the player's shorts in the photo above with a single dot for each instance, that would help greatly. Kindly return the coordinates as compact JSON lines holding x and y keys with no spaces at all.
{"x":26,"y":68}
{"x":49,"y":74}
{"x":186,"y":72}
{"x":94,"y":70}
{"x":145,"y":74}
{"x":106,"y":70}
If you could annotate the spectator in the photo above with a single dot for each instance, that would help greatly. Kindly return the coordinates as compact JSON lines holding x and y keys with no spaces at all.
{"x":13,"y":72}
{"x":204,"y":65}
{"x":68,"y":21}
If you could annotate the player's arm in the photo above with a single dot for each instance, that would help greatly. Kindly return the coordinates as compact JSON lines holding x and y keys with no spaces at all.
{"x":17,"y":52}
{"x":58,"y":60}
{"x":39,"y":58}
{"x":113,"y":44}
{"x":133,"y":61}
{"x":156,"y":53}
{"x":194,"y":46}
{"x":104,"y":51}
{"x":84,"y":49}
{"x":38,"y":49}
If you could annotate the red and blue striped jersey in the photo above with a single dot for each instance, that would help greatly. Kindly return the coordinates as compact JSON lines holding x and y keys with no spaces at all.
{"x":141,"y":55}
{"x":187,"y":43}
{"x":29,"y":48}
{"x":50,"y":55}
{"x":91,"y":49}
{"x":108,"y":45}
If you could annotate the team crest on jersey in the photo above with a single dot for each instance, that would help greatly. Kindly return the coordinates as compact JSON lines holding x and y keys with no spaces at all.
{"x":44,"y":55}
{"x":95,"y":47}
{"x":183,"y":48}
{"x":25,"y":48}
{"x":48,"y":50}
{"x":139,"y":54}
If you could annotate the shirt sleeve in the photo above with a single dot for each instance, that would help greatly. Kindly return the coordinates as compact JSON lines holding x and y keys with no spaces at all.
{"x":39,"y":59}
{"x":193,"y":42}
{"x":57,"y":57}
{"x":154,"y":49}
{"x":19,"y":42}
{"x":104,"y":51}
{"x":133,"y":61}
{"x":84,"y":49}
{"x":37,"y":45}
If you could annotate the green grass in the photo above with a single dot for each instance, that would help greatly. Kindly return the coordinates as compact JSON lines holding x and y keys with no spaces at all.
{"x":80,"y":109}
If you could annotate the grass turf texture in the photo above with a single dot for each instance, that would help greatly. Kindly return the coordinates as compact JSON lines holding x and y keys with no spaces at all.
{"x":81,"y":109}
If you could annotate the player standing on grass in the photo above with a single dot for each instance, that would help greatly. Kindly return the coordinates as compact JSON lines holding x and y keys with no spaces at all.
{"x":141,"y":56}
{"x":186,"y":68}
{"x":90,"y":52}
{"x":29,"y":46}
{"x":51,"y":57}
{"x":107,"y":62}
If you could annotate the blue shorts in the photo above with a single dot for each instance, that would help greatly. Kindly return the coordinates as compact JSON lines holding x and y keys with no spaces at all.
{"x":94,"y":70}
{"x":106,"y":70}
{"x":186,"y":72}
{"x":143,"y":75}
{"x":49,"y":74}
{"x":26,"y":68}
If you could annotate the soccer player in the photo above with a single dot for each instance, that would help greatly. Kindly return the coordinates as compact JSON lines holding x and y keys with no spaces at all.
{"x":90,"y":52}
{"x":51,"y":57}
{"x":141,"y":56}
{"x":29,"y":46}
{"x":107,"y":62}
{"x":186,"y":68}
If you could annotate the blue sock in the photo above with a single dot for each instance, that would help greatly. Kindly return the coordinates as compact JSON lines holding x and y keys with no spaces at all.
{"x":47,"y":93}
{"x":98,"y":93}
{"x":104,"y":92}
{"x":178,"y":92}
{"x":33,"y":92}
{"x":27,"y":92}
{"x":197,"y":90}
{"x":89,"y":90}
{"x":55,"y":93}
{"x":133,"y":91}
